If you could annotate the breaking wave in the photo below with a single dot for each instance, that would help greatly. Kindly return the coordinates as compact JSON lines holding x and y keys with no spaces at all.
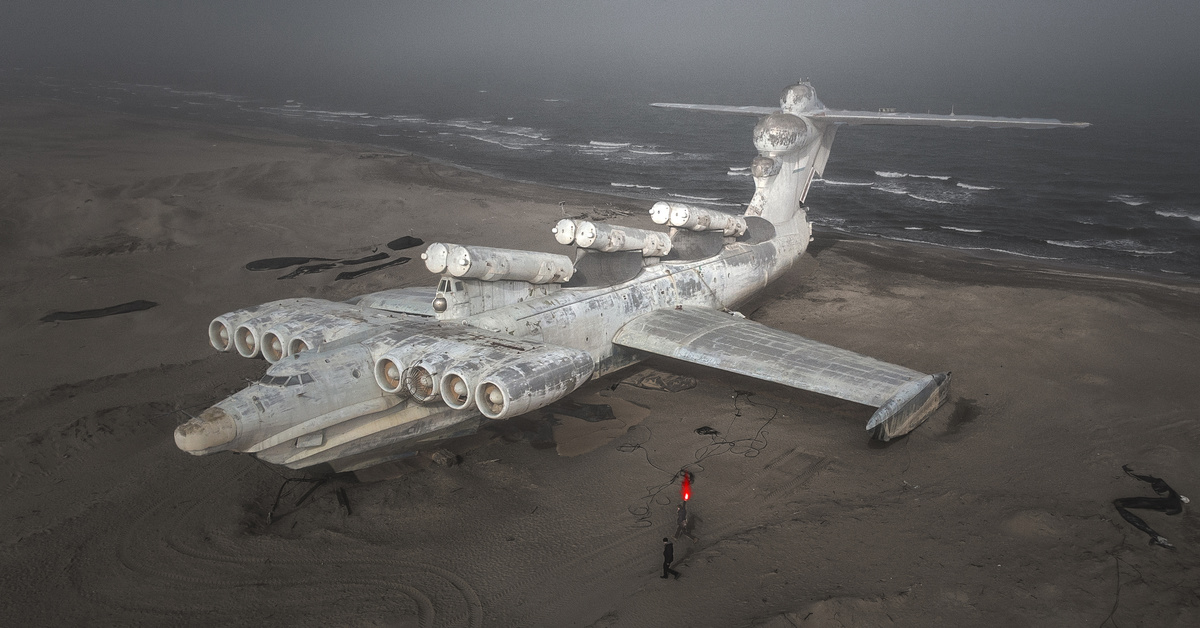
{"x":470,"y":125}
{"x":967,"y":186}
{"x":499,"y":143}
{"x":634,"y":185}
{"x":901,"y":175}
{"x":961,"y":229}
{"x":338,"y":114}
{"x":697,"y":198}
{"x":521,"y":132}
{"x":970,"y":248}
{"x":1120,"y":246}
{"x":930,"y":199}
{"x":1166,"y":213}
{"x":834,"y":182}
{"x":1128,"y":199}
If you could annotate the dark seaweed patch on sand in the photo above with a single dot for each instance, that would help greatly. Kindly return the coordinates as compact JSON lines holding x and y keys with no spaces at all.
{"x":276,"y":263}
{"x":132,"y":306}
{"x":406,"y":242}
{"x":351,"y":274}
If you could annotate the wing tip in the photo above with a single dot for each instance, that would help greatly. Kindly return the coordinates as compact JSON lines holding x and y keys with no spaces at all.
{"x":912,"y":404}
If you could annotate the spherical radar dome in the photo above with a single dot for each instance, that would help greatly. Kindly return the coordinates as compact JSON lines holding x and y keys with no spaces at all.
{"x":780,"y":133}
{"x":799,"y":98}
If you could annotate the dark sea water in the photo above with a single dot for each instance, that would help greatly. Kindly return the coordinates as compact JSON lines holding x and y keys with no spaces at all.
{"x":1122,"y":194}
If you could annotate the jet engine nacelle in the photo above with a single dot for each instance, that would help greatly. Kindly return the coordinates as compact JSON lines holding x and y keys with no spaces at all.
{"x":243,"y":329}
{"x":389,"y":370}
{"x":397,"y":353}
{"x":308,"y":329}
{"x":418,"y":367}
{"x":221,"y":329}
{"x":684,"y":216}
{"x":537,"y":378}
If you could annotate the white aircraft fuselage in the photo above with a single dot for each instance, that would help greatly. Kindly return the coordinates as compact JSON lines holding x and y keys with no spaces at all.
{"x":506,"y":332}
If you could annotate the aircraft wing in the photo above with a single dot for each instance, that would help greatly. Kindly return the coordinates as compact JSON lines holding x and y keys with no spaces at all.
{"x":936,"y":119}
{"x":747,"y":110}
{"x":904,"y":397}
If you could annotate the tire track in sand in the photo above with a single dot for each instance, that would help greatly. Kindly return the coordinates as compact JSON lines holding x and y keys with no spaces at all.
{"x":140,"y":552}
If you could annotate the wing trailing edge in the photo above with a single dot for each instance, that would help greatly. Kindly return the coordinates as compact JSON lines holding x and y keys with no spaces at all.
{"x":904,"y":397}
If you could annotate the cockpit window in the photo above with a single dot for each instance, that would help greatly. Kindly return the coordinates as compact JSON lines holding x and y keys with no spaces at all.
{"x":458,"y":286}
{"x":286,"y":380}
{"x":443,"y":285}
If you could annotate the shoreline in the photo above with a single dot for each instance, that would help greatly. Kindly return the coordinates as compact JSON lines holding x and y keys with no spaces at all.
{"x":626,"y":201}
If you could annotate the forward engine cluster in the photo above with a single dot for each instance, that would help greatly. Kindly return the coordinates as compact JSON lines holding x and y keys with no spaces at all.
{"x":501,"y":378}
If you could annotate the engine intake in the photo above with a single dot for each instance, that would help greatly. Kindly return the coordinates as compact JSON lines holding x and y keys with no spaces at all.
{"x":389,"y":373}
{"x":456,"y":389}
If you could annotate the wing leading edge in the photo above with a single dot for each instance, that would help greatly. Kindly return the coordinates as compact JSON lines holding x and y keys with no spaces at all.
{"x":904,"y":397}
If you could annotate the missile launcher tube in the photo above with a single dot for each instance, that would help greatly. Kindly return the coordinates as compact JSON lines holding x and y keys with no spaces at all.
{"x":435,"y":257}
{"x":491,"y":264}
{"x":565,"y":230}
{"x":610,"y":238}
{"x":684,"y":216}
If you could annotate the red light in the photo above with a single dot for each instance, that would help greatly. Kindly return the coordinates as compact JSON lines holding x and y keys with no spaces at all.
{"x":686,"y":490}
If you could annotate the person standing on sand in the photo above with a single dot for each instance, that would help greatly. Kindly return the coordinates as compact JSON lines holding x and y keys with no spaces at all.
{"x":668,"y":558}
{"x":681,"y":522}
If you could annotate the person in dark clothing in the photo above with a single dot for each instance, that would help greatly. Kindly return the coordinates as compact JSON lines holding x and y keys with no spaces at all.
{"x":1172,"y":504}
{"x":681,"y":522}
{"x":668,"y":558}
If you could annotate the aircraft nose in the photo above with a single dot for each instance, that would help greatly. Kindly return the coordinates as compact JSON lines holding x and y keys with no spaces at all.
{"x":214,"y":427}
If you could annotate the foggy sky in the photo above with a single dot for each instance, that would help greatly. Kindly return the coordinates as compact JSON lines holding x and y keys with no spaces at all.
{"x":1040,"y":43}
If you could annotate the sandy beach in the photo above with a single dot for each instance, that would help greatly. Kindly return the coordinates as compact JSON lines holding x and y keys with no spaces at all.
{"x":995,"y":512}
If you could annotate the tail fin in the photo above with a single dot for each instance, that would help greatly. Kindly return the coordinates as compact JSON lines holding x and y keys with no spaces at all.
{"x":794,"y":140}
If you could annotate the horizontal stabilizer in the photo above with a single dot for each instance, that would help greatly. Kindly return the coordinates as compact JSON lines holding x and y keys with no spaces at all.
{"x":887,"y":117}
{"x":731,"y":343}
{"x":936,"y":119}
{"x":746,"y":111}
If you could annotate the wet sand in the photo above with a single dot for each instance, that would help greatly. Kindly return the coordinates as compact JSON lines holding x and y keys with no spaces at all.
{"x":997,"y":511}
